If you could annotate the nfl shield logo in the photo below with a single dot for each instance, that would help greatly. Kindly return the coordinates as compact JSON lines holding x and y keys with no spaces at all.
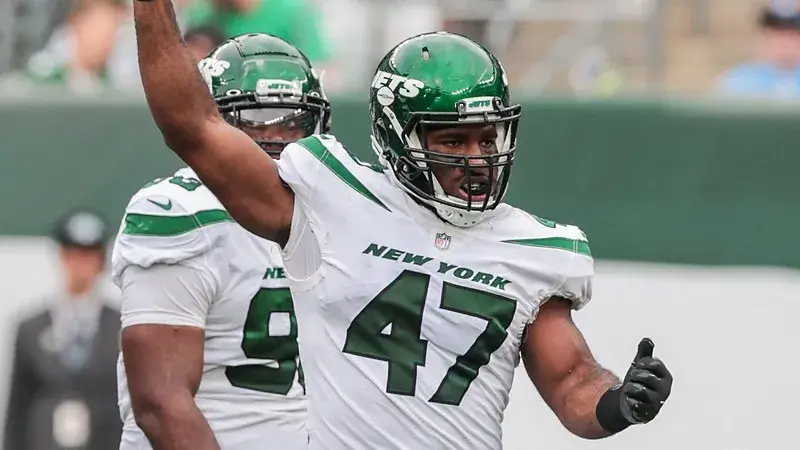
{"x":442,"y":241}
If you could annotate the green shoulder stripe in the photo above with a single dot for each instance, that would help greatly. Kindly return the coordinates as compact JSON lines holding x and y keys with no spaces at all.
{"x":571,"y":245}
{"x":329,"y":160}
{"x":149,"y":225}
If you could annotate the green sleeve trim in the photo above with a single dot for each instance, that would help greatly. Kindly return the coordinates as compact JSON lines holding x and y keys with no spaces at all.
{"x":150,"y":225}
{"x":560,"y":243}
{"x":329,"y":160}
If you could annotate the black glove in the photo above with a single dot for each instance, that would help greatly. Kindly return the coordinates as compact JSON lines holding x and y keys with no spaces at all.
{"x":638,"y":399}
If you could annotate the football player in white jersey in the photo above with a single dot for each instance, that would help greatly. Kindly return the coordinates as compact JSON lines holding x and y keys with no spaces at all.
{"x":417,"y":291}
{"x":209,"y":342}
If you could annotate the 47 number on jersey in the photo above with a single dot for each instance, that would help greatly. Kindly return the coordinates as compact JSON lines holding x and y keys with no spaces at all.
{"x":401,"y":305}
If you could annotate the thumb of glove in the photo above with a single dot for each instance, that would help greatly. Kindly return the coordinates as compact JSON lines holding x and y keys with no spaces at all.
{"x":645,"y":349}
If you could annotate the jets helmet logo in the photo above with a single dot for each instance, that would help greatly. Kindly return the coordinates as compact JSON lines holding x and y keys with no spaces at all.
{"x":209,"y":68}
{"x":388,"y":84}
{"x":214,"y":67}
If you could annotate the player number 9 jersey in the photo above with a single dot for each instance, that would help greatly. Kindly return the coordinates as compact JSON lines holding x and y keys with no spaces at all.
{"x":252,"y":389}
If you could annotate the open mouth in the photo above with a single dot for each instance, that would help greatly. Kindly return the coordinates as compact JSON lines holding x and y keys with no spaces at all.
{"x":476,"y":190}
{"x":272,"y":146}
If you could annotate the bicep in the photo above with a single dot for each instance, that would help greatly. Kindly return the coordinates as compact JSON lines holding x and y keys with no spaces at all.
{"x":244,"y":178}
{"x":554,"y":348}
{"x":164,"y":308}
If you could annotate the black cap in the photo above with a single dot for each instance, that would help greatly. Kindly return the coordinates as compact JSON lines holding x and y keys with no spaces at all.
{"x":781,"y":14}
{"x":81,"y":227}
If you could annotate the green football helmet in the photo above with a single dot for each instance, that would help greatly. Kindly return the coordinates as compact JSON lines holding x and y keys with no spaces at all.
{"x":434,"y":81}
{"x":259,"y":81}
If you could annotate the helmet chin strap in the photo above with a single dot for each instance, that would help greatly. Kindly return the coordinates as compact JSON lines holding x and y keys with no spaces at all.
{"x":457,"y":217}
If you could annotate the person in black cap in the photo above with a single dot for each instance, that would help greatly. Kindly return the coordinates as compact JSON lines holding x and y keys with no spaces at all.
{"x":63,"y":379}
{"x":776,"y":72}
{"x":82,"y":236}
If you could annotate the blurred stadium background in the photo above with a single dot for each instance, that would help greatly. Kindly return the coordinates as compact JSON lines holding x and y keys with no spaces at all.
{"x":667,"y":129}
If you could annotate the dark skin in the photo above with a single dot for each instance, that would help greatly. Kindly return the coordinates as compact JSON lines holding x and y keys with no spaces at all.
{"x":274,"y":137}
{"x":465,"y":140}
{"x":561,"y":366}
{"x":278,"y":132}
{"x":556,"y":356}
{"x":163,"y":399}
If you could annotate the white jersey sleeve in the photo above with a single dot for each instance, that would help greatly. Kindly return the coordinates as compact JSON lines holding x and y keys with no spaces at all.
{"x":300,"y":169}
{"x":163,"y":257}
{"x":160,"y":227}
{"x":176,"y":294}
{"x":576,"y":285}
{"x":304,"y":164}
{"x":306,"y":167}
{"x":564,"y":249}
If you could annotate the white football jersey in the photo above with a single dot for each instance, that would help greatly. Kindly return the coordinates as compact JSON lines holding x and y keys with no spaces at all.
{"x":252,"y":392}
{"x":410,"y":328}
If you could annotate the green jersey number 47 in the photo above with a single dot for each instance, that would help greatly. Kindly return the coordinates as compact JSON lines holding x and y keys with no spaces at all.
{"x":400,"y":305}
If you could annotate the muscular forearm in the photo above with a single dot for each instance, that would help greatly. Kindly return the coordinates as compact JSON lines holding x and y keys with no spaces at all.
{"x":177,"y":426}
{"x":176,"y":93}
{"x":577,"y":405}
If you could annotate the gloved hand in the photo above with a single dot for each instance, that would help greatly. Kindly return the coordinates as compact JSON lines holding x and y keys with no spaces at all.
{"x":639,"y":397}
{"x":646,"y":386}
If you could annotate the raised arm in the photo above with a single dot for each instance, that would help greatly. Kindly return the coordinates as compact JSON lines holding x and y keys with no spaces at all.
{"x":589,"y":400}
{"x":242,"y":176}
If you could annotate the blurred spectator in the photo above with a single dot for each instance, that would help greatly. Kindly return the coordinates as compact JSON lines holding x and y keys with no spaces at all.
{"x":477,"y":29}
{"x":202,"y":40}
{"x":296,"y":21}
{"x":594,"y":74}
{"x":63,"y":380}
{"x":361,"y":32}
{"x":77,"y":52}
{"x":776,"y":73}
{"x":123,"y":65}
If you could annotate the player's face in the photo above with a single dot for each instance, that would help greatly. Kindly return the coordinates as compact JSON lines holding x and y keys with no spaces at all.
{"x":477,"y":182}
{"x":273,"y":138}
